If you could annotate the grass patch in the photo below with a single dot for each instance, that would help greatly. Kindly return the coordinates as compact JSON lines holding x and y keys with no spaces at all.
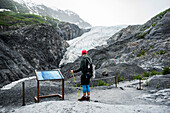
{"x":153,"y":73}
{"x":141,"y":36}
{"x":166,"y":70}
{"x":157,"y":52}
{"x":102,"y":83}
{"x":119,"y":78}
{"x":138,"y":55}
{"x":141,"y":53}
{"x":161,"y":14}
{"x":147,"y":83}
{"x":146,"y":74}
{"x":153,"y":25}
{"x":136,"y":77}
{"x":10,"y":18}
{"x":162,"y":52}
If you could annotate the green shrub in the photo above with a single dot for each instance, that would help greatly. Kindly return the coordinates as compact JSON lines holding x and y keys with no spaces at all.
{"x":141,"y":36}
{"x":147,"y":83}
{"x":136,"y":77}
{"x":139,"y":54}
{"x":166,"y":70}
{"x":143,"y":53}
{"x":153,"y":73}
{"x":162,"y":52}
{"x":157,"y":85}
{"x":118,"y":78}
{"x":141,"y":77}
{"x":154,"y":24}
{"x":145,"y":74}
{"x":121,"y":79}
{"x":102,"y":83}
{"x":157,"y":52}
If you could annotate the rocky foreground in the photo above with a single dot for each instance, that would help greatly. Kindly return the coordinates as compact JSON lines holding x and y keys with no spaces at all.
{"x":124,"y":99}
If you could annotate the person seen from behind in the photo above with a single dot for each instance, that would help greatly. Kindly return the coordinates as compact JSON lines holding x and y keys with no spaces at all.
{"x":85,"y":76}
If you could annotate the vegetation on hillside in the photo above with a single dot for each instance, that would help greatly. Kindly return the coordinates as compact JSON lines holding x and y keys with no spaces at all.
{"x":13,"y":6}
{"x":10,"y":18}
{"x":161,"y":14}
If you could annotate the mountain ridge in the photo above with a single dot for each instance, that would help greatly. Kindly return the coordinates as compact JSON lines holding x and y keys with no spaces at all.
{"x":63,"y":15}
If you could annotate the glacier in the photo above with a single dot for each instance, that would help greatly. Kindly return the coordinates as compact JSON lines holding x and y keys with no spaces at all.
{"x":97,"y":36}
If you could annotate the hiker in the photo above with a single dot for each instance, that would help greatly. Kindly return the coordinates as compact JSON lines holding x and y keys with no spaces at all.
{"x":85,"y":77}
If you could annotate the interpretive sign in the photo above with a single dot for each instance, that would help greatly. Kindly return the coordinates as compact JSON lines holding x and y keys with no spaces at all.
{"x":49,"y":75}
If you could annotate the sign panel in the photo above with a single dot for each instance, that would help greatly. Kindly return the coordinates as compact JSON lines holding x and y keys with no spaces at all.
{"x":48,"y":75}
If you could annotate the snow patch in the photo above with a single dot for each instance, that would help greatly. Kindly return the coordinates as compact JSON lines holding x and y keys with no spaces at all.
{"x":5,"y":10}
{"x":9,"y":86}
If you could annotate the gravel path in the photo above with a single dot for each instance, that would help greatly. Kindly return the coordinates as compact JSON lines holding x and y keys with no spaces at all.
{"x":104,"y":99}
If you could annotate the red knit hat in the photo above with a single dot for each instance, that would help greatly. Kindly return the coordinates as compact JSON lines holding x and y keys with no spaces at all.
{"x":84,"y":51}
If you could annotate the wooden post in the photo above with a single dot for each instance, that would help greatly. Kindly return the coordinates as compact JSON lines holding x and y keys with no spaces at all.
{"x":115,"y":82}
{"x":23,"y":93}
{"x":139,"y":82}
{"x":63,"y":89}
{"x":38,"y":91}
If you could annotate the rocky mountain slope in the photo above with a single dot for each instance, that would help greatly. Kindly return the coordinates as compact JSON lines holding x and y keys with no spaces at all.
{"x":10,"y":20}
{"x":29,"y":6}
{"x":23,"y":50}
{"x":29,"y":41}
{"x":133,"y":50}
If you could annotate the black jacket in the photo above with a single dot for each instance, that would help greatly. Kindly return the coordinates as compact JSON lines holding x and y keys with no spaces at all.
{"x":85,"y":80}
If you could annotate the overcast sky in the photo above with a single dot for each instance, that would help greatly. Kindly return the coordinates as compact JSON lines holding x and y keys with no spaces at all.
{"x":112,"y":12}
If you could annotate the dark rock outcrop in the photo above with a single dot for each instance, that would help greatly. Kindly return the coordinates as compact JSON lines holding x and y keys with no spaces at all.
{"x":31,"y":47}
{"x":70,"y":31}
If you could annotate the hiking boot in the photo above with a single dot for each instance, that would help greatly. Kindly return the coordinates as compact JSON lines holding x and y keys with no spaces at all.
{"x":88,"y":98}
{"x":83,"y":98}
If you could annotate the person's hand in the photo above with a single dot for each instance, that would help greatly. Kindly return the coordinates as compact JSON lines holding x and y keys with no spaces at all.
{"x":71,"y":71}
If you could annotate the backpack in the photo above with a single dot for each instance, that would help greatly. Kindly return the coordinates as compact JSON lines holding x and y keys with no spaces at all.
{"x":90,"y":68}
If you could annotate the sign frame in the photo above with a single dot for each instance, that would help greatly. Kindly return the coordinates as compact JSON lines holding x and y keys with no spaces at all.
{"x":37,"y":99}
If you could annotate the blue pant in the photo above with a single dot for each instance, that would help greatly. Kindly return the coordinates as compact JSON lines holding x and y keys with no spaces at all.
{"x":86,"y":88}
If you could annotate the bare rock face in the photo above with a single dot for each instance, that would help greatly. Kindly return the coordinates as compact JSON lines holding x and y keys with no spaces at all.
{"x":31,"y":47}
{"x":70,"y":31}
